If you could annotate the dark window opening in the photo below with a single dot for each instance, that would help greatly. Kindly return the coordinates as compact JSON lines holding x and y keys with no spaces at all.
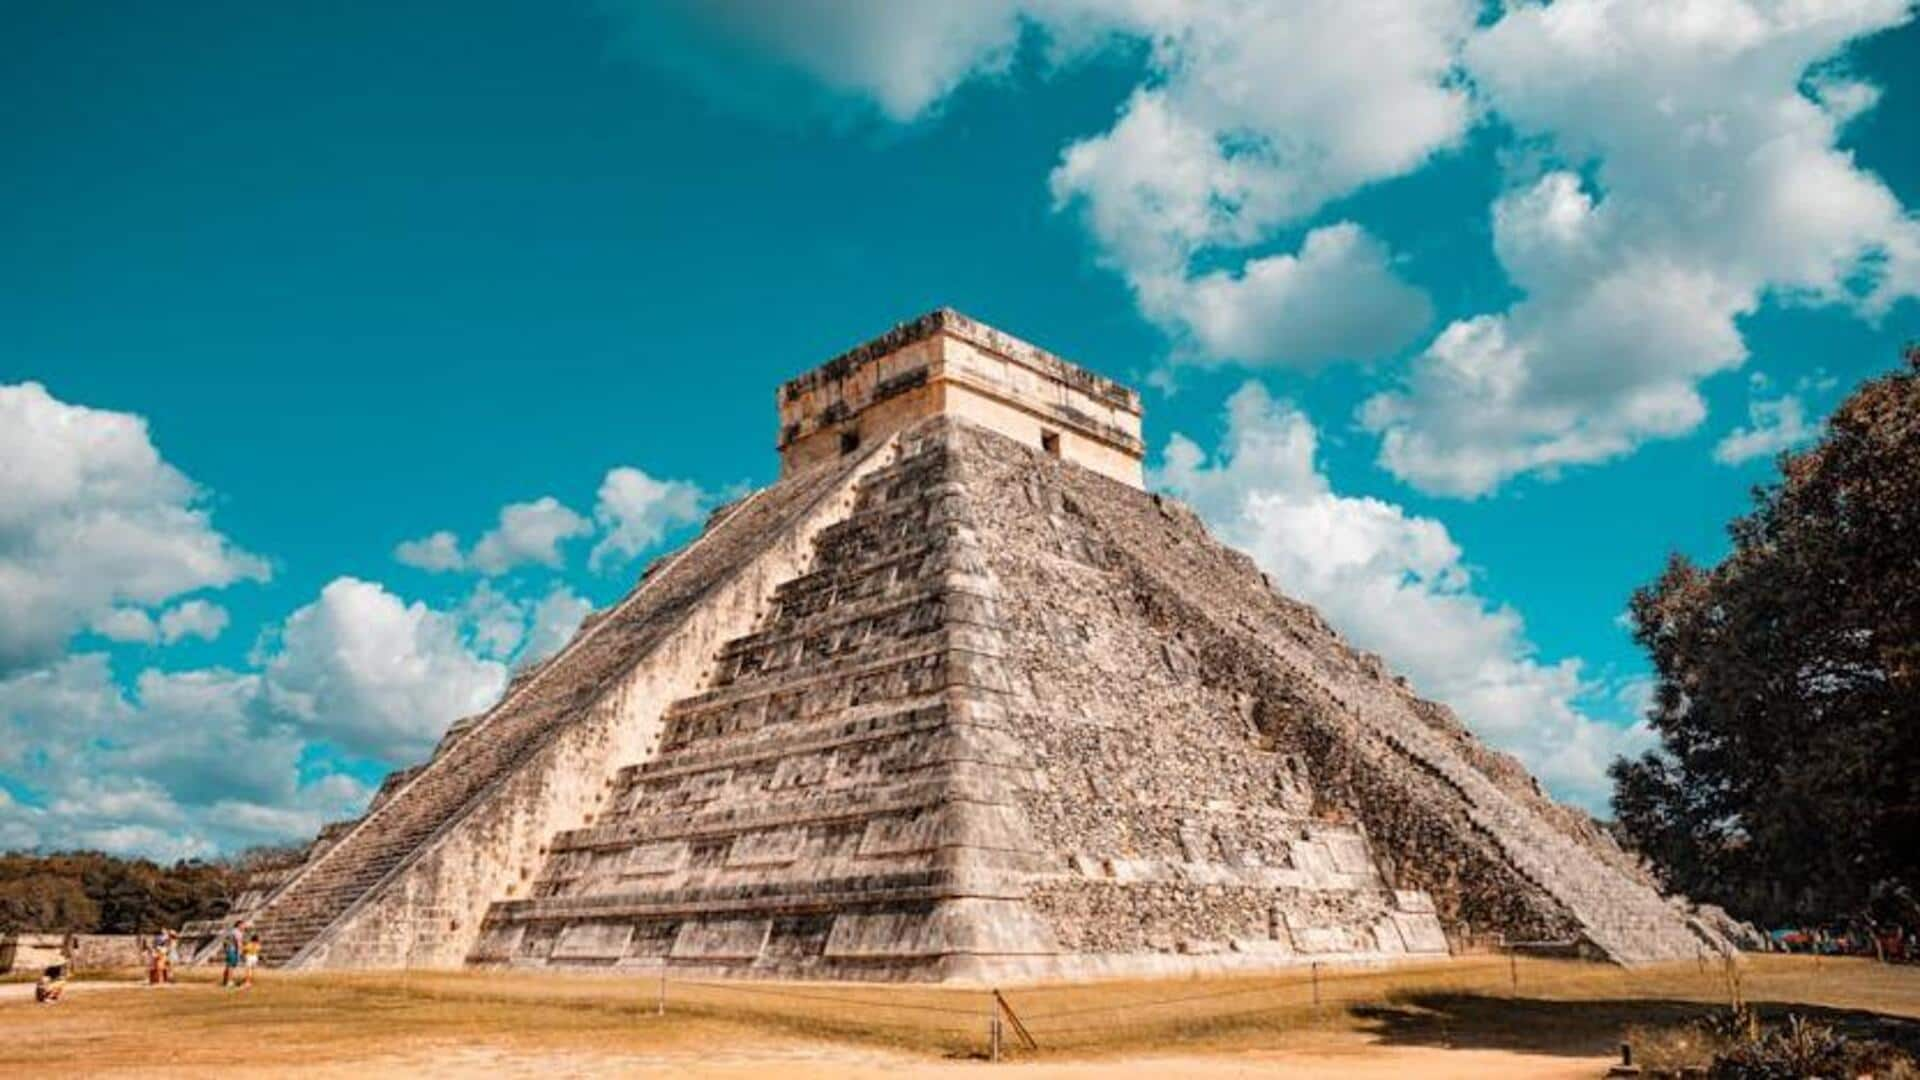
{"x":1050,"y":442}
{"x":849,"y":441}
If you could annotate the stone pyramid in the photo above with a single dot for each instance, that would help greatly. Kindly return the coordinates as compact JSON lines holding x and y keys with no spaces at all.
{"x":956,"y":698}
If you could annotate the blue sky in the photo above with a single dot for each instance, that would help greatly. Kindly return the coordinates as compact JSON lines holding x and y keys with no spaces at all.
{"x":1459,"y":319}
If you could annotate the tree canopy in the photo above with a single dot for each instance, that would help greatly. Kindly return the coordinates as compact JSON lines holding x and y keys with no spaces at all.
{"x":89,"y":892}
{"x":1787,"y":784}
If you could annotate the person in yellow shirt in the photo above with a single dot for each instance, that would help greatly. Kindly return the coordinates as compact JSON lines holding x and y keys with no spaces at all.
{"x":250,"y":957}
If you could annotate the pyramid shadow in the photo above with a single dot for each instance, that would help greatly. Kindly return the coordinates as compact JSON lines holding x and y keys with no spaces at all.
{"x":1585,"y":1028}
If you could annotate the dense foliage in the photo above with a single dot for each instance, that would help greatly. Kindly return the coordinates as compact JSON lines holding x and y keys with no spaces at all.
{"x":88,"y":892}
{"x":1787,"y":786}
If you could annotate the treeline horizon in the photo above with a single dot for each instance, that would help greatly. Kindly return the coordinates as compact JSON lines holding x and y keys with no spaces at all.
{"x":92,"y":892}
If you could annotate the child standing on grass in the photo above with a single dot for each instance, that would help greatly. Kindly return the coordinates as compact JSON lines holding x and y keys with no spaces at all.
{"x":52,"y":983}
{"x":250,"y":954}
{"x":157,"y":959}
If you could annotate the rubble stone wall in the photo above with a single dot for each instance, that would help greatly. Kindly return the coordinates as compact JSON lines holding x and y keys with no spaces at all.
{"x":1179,"y":829}
{"x":1445,"y":814}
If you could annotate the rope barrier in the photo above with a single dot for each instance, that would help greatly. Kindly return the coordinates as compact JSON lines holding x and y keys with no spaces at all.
{"x":828,"y":998}
{"x":1207,"y":1018}
{"x":1264,"y":988}
{"x":1156,"y":1002}
{"x":995,"y":1010}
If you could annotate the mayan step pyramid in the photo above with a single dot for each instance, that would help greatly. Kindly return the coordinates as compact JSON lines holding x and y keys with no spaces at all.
{"x":957,"y":699}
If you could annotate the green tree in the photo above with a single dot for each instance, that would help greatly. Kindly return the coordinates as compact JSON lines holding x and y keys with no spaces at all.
{"x":90,"y":892}
{"x":1787,"y":785}
{"x":46,"y":903}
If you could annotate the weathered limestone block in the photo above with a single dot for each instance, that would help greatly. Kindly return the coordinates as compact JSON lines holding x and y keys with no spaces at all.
{"x":593,"y":941}
{"x":1421,"y":931}
{"x":721,"y":939}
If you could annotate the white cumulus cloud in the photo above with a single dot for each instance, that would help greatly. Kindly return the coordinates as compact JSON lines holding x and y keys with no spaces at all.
{"x":1253,"y":118}
{"x":364,"y":669}
{"x":94,"y":524}
{"x":1773,"y":425}
{"x":1248,"y":118}
{"x":1673,"y":166}
{"x":529,"y":532}
{"x":1691,"y":178}
{"x":555,"y":619}
{"x":193,"y":618}
{"x":1337,"y":299}
{"x":635,"y":511}
{"x":632,"y":512}
{"x":1396,"y":584}
{"x":435,"y":553}
{"x":526,"y":533}
{"x":126,"y":624}
{"x":186,"y":764}
{"x":495,"y":621}
{"x":902,"y":56}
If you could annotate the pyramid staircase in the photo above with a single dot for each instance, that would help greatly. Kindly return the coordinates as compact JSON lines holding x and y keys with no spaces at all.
{"x":838,"y":798}
{"x":848,"y":799}
{"x":362,"y":860}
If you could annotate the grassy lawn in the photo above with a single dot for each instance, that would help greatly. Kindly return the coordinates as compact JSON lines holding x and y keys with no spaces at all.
{"x":294,"y":1020}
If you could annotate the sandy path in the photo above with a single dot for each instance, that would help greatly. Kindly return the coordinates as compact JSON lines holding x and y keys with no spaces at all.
{"x":1361,"y":1061}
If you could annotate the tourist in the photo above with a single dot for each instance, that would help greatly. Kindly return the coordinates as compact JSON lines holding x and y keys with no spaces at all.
{"x":250,"y":954}
{"x":159,"y":964}
{"x":52,"y":983}
{"x":230,"y":948}
{"x":172,"y":951}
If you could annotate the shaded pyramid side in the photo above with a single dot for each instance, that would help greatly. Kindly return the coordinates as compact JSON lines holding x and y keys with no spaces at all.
{"x":1151,"y":664}
{"x":872,"y":790}
{"x":409,"y":881}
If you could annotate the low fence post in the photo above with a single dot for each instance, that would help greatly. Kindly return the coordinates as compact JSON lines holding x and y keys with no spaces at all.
{"x":1513,"y":968}
{"x":1005,"y":1008}
{"x":1316,"y":984}
{"x":993,"y":1036}
{"x":660,"y":1005}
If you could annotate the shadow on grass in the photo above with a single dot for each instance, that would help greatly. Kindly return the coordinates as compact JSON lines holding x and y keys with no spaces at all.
{"x":1585,"y":1028}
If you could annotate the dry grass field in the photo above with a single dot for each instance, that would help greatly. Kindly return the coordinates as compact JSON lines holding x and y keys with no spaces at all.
{"x":1465,"y":1017}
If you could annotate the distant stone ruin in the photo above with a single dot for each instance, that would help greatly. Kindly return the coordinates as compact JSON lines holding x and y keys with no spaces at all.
{"x":957,"y":699}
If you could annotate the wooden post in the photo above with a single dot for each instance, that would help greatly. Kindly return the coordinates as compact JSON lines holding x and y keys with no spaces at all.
{"x":993,"y":1036}
{"x":660,"y":1005}
{"x":1005,"y":1008}
{"x":1316,"y":984}
{"x":1513,"y":968}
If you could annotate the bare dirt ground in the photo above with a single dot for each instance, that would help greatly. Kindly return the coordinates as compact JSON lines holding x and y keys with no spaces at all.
{"x":1473,"y":1017}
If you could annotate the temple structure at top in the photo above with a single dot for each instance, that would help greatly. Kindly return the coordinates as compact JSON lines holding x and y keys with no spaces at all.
{"x":945,"y":363}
